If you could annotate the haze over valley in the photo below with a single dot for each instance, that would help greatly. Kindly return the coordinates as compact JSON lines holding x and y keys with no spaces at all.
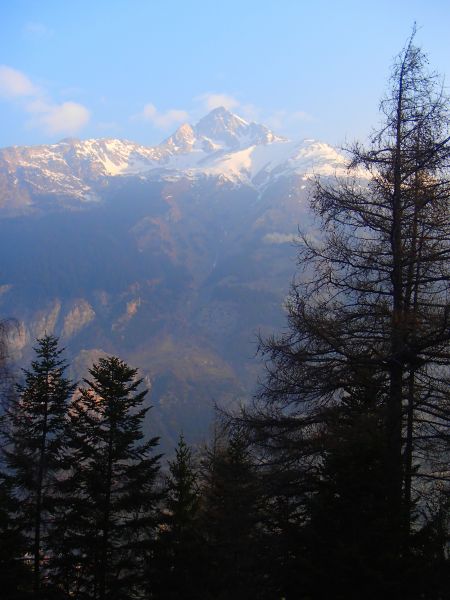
{"x":173,"y":257}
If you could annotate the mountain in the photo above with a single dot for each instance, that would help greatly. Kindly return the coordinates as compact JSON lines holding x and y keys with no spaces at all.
{"x":75,"y":172}
{"x":172,"y":256}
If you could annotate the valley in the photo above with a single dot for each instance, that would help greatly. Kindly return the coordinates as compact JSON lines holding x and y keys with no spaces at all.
{"x":175,"y":258}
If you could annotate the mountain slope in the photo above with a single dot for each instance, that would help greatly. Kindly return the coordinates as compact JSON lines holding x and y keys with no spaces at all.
{"x":220,"y":145}
{"x":173,"y":257}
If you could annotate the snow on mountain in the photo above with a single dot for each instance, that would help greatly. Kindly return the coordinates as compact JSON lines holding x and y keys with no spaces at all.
{"x":221,"y":144}
{"x":259,"y":164}
{"x":68,"y":168}
{"x":224,"y":144}
{"x":188,"y":255}
{"x":230,"y":130}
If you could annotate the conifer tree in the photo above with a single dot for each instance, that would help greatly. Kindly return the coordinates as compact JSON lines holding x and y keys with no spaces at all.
{"x":15,"y":574}
{"x":111,"y":486}
{"x":178,"y":567}
{"x":34,"y":430}
{"x":346,"y":525}
{"x":182,"y":490}
{"x":230,"y":515}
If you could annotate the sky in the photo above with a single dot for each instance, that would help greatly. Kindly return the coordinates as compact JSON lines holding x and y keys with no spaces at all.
{"x":137,"y":69}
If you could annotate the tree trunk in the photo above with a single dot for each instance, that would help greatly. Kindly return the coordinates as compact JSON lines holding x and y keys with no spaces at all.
{"x":106,"y":521}
{"x":394,"y":404}
{"x":38,"y":515}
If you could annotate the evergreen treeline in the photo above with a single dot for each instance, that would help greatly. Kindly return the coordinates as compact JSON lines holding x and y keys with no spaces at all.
{"x":334,"y":484}
{"x":87,"y":511}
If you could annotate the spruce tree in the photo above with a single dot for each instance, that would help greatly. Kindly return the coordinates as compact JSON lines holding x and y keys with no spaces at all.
{"x":15,"y":574}
{"x":34,"y":430}
{"x":177,"y":571}
{"x":346,"y":521}
{"x":230,"y":518}
{"x":182,"y":490}
{"x":111,"y":486}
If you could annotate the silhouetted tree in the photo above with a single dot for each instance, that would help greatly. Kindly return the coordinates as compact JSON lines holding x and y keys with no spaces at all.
{"x":110,"y":486}
{"x":16,"y":582}
{"x":177,"y":570}
{"x":34,"y":431}
{"x":230,"y":517}
{"x":347,"y":524}
{"x":373,"y":297}
{"x":15,"y":573}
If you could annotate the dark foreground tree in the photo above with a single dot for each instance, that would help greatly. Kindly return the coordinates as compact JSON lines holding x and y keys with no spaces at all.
{"x":34,"y":432}
{"x":230,"y":520}
{"x":16,"y":581}
{"x":372,"y":304}
{"x":347,"y":524}
{"x":109,"y":521}
{"x":5,"y":380}
{"x":15,"y":574}
{"x":177,"y":568}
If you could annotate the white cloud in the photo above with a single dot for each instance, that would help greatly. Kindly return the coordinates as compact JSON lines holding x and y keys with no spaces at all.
{"x":163,"y":120}
{"x":53,"y":118}
{"x":283,"y":120}
{"x":280,"y":120}
{"x":250,"y":112}
{"x":35,"y":29}
{"x":15,"y":84}
{"x":301,"y":115}
{"x":277,"y":119}
{"x":212,"y":100}
{"x":280,"y":238}
{"x":59,"y":119}
{"x":108,"y":125}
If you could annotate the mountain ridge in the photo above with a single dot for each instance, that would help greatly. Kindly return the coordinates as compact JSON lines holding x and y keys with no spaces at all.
{"x":172,"y":257}
{"x":221,"y":145}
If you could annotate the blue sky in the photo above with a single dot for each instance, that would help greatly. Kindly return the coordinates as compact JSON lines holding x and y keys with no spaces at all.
{"x":136,"y":69}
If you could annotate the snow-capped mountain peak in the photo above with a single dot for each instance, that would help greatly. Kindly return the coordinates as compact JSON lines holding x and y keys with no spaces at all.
{"x":221,"y":145}
{"x":219,"y":131}
{"x":181,"y":141}
{"x":220,"y":124}
{"x":224,"y":127}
